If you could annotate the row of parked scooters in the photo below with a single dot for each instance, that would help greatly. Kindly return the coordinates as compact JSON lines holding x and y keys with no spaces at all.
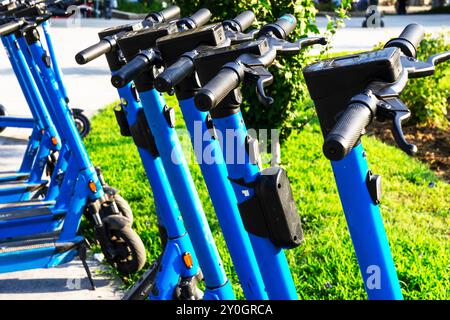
{"x":204,"y":64}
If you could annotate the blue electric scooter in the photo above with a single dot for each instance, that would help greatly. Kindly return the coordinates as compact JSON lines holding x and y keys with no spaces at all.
{"x":349,"y":92}
{"x":215,"y":173}
{"x":19,"y":185}
{"x":271,"y":226}
{"x":161,"y":121}
{"x":174,"y":274}
{"x":31,"y":225}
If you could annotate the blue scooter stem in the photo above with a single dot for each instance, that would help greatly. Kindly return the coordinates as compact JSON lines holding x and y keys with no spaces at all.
{"x":63,"y":115}
{"x":271,"y":259}
{"x":215,"y":173}
{"x":366,"y":227}
{"x":185,"y":193}
{"x":57,"y":70}
{"x":179,"y":243}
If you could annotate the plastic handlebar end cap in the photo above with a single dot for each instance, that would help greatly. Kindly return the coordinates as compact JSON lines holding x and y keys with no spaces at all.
{"x":206,"y":100}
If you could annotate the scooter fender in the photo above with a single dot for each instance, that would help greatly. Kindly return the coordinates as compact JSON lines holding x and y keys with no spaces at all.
{"x":116,"y":222}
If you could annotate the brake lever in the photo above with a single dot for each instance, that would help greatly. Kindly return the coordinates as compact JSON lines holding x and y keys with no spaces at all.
{"x":263,"y":78}
{"x":287,"y":47}
{"x":395,"y":110}
{"x":439,"y":58}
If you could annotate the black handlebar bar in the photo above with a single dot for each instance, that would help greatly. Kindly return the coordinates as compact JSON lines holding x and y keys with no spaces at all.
{"x":242,"y":22}
{"x":108,"y":43}
{"x":100,"y":48}
{"x":347,"y":131}
{"x":133,"y":68}
{"x":11,"y":27}
{"x":165,"y":15}
{"x":174,"y":74}
{"x":229,"y":77}
{"x":409,"y":39}
{"x":280,"y":28}
{"x":209,"y":96}
{"x":199,"y":18}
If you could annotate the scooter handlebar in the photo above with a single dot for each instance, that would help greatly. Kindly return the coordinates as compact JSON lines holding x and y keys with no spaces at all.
{"x":242,"y":22}
{"x":129,"y":71}
{"x":11,"y":27}
{"x":201,"y":17}
{"x":94,"y":51}
{"x":409,"y":39}
{"x":209,"y":96}
{"x":174,"y":74}
{"x":165,"y":15}
{"x":280,"y":28}
{"x":347,"y":131}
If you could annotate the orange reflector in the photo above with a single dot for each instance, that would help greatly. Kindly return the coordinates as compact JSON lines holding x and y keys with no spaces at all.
{"x":92,"y":186}
{"x":187,"y":259}
{"x":54,"y":141}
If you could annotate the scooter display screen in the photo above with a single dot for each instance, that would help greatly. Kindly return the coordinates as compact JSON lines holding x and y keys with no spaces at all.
{"x":384,"y":64}
{"x":344,"y":74}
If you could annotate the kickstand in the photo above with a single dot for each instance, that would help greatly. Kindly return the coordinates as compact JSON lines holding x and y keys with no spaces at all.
{"x":82,"y":253}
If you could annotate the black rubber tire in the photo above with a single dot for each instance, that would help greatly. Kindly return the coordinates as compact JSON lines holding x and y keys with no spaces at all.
{"x":131,"y":256}
{"x":83,"y":124}
{"x":2,"y":113}
{"x":122,"y":205}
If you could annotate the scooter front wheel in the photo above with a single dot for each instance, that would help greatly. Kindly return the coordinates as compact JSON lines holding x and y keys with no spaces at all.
{"x":82,"y":122}
{"x":2,"y":113}
{"x":129,"y":251}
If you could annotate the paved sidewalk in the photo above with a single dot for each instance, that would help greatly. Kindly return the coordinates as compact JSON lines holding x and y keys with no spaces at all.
{"x":65,"y":282}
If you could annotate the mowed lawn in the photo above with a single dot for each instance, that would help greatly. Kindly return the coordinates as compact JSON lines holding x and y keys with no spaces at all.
{"x":415,"y":207}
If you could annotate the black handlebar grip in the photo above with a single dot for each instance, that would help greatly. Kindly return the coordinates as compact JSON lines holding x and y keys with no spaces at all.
{"x":10,"y":27}
{"x":170,"y":13}
{"x":174,"y":74}
{"x":130,"y":71}
{"x":347,"y":131}
{"x":93,"y":52}
{"x":201,"y":17}
{"x":409,"y":39}
{"x":280,"y":28}
{"x":217,"y":89}
{"x":245,"y":19}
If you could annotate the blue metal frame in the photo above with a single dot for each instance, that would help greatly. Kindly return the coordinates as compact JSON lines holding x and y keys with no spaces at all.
{"x":172,"y":266}
{"x":271,"y":259}
{"x":215,"y":173}
{"x":55,"y":65}
{"x":40,"y":143}
{"x":74,"y":192}
{"x":217,"y":284}
{"x":366,"y":227}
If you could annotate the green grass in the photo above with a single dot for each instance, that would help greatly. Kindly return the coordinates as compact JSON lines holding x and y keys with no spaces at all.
{"x":138,"y":7}
{"x":416,"y":216}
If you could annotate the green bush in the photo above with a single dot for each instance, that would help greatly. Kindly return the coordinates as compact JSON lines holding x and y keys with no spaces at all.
{"x":291,"y":108}
{"x":143,"y":6}
{"x":427,"y":97}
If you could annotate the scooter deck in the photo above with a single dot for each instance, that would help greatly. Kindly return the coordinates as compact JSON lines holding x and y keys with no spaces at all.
{"x":39,"y":251}
{"x":15,"y":190}
{"x":31,"y":217}
{"x":13,"y":176}
{"x":25,"y":204}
